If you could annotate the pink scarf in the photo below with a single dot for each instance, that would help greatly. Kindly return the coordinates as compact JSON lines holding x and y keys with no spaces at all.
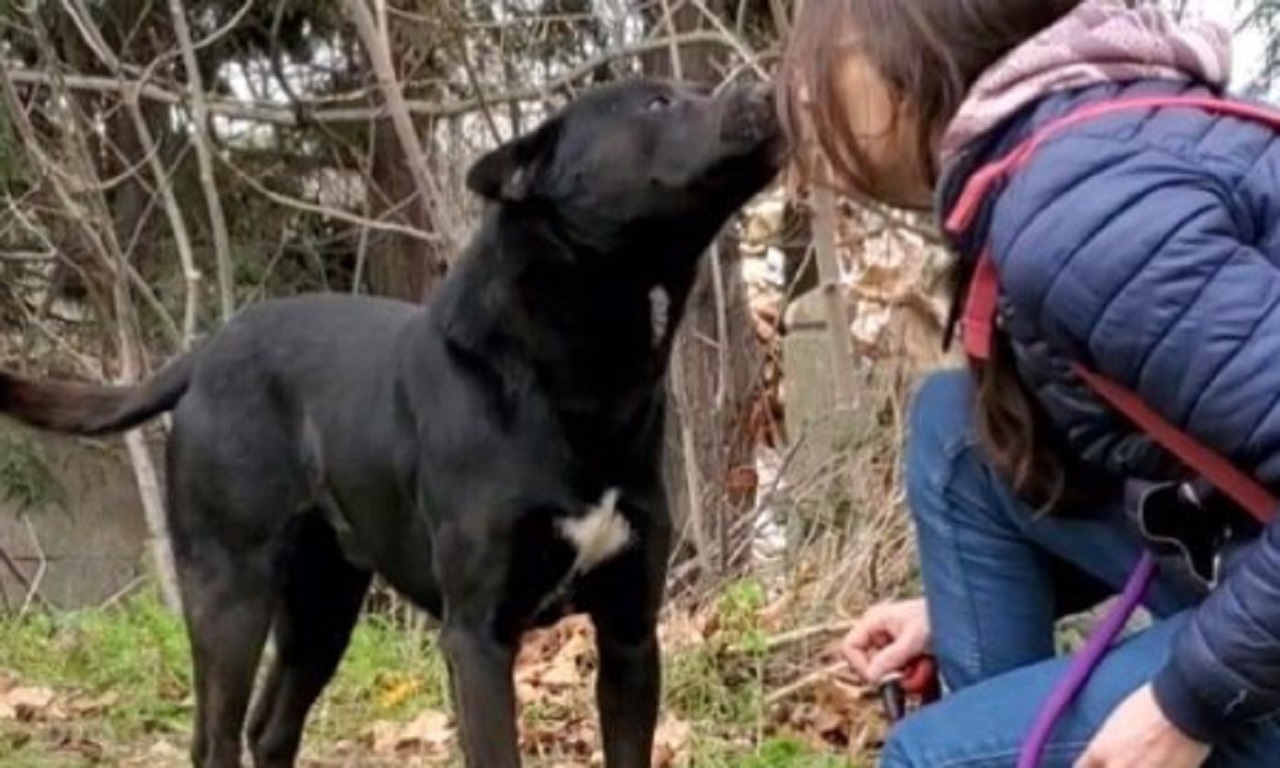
{"x":1100,"y":41}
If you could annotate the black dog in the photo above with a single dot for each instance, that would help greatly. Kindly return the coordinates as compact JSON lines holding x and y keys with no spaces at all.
{"x":496,"y":457}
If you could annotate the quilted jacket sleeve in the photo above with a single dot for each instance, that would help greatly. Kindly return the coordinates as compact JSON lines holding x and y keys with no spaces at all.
{"x":1139,"y":261}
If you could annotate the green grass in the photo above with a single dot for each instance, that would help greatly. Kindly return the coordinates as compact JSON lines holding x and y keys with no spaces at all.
{"x":389,"y":673}
{"x":775,"y":753}
{"x":722,"y":682}
{"x":137,"y":653}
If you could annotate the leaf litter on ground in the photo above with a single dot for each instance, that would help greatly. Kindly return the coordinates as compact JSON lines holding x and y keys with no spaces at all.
{"x":725,"y":648}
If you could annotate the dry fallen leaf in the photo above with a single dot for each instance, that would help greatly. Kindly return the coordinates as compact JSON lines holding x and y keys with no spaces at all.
{"x":89,"y":706}
{"x":572,"y":736}
{"x":431,"y":731}
{"x":682,"y":630}
{"x":430,"y":734}
{"x":26,"y":703}
{"x":398,"y":692}
{"x":671,"y":743}
{"x":86,"y":749}
{"x":161,"y":754}
{"x":562,"y":671}
{"x":164,"y":749}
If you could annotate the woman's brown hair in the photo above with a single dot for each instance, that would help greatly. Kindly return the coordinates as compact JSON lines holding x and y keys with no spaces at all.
{"x":929,"y":53}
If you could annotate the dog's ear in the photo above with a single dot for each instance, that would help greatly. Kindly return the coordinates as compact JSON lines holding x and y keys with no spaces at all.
{"x":508,"y":173}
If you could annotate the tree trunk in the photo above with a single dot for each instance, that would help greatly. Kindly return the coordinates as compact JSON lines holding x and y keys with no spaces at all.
{"x":399,"y":266}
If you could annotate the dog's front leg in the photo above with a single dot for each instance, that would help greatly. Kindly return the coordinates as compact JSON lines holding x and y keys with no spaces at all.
{"x":623,"y":598}
{"x":481,"y":668}
{"x":627,"y":692}
{"x":472,"y":563}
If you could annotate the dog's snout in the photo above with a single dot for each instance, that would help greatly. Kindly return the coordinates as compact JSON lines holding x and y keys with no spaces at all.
{"x":761,"y":92}
{"x":749,"y":93}
{"x":749,"y":115}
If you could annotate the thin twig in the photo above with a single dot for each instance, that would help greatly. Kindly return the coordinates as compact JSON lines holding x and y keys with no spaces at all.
{"x":808,"y":681}
{"x":90,"y":34}
{"x":730,"y":39}
{"x":35,"y":257}
{"x":473,"y":80}
{"x":173,"y":211}
{"x":42,"y":567}
{"x":123,"y":592}
{"x":722,"y":329}
{"x":807,"y":633}
{"x":362,"y":242}
{"x":327,"y":211}
{"x":204,"y":158}
{"x":12,"y":566}
{"x":153,"y":302}
{"x":144,"y":469}
{"x":669,"y":22}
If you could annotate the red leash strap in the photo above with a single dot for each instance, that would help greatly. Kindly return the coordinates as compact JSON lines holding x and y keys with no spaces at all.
{"x":1222,"y":474}
{"x":978,"y":326}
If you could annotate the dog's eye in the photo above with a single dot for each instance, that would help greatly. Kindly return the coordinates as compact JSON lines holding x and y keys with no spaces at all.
{"x":658,"y":103}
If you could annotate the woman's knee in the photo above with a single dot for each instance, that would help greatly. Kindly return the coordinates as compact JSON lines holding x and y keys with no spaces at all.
{"x":903,"y":748}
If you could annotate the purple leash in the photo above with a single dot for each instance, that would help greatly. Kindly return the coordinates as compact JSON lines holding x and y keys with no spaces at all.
{"x":1084,"y":664}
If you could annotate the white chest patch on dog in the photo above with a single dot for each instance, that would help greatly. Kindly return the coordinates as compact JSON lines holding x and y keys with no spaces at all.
{"x":659,"y":313}
{"x":599,"y":534}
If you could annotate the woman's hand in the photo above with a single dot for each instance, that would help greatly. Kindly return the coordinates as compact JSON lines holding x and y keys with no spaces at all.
{"x":886,"y":638}
{"x":1138,"y":735}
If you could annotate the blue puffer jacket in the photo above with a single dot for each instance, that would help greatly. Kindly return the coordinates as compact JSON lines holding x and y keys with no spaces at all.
{"x":1147,"y":245}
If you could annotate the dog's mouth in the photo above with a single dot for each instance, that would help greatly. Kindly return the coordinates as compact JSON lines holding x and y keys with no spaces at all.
{"x":749,"y":119}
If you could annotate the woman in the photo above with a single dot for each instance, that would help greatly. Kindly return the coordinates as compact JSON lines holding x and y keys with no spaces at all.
{"x":1145,"y":245}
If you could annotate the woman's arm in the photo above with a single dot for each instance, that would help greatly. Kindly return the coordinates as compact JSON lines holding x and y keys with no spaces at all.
{"x":1139,"y":263}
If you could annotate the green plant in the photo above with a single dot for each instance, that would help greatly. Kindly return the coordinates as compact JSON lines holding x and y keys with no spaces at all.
{"x":25,"y":478}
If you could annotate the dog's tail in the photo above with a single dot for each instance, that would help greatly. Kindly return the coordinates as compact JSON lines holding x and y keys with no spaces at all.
{"x":92,"y":409}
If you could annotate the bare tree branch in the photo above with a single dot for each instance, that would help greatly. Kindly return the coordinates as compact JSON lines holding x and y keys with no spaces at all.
{"x":316,"y":110}
{"x":328,"y":211}
{"x":173,"y":211}
{"x":373,"y":36}
{"x":204,"y":156}
{"x":144,"y":468}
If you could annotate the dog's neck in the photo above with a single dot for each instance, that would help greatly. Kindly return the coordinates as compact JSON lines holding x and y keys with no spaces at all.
{"x":606,"y":320}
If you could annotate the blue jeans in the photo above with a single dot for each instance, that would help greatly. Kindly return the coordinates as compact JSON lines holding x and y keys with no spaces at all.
{"x":996,"y":577}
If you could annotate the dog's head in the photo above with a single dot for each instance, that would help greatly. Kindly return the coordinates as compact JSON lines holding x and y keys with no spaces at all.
{"x":640,"y":164}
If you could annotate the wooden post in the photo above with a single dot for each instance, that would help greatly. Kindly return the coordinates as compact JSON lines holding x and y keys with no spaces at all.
{"x":837,"y":314}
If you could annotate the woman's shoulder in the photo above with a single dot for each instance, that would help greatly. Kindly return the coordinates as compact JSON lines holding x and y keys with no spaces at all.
{"x":1228,"y":147}
{"x":1108,"y":162}
{"x":1121,"y":187}
{"x":1111,"y":158}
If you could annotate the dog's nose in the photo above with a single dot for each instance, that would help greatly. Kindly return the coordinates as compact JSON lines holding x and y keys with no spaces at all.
{"x":748,"y":114}
{"x":763,"y":92}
